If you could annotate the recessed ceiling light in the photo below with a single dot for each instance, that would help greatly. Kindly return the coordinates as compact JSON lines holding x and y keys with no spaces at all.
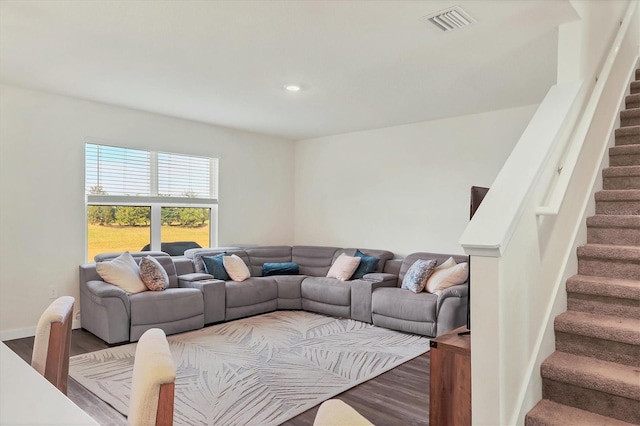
{"x":292,"y":87}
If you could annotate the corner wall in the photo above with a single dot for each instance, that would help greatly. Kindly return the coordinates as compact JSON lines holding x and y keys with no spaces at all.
{"x":42,"y":218}
{"x":402,"y":188}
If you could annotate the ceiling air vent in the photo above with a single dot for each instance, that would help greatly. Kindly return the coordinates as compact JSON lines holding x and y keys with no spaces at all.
{"x":450,"y":19}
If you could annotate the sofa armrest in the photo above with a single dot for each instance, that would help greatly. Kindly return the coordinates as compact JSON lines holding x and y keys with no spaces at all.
{"x":98,"y":290}
{"x":213,"y":292}
{"x":451,"y":309}
{"x":381,"y":277}
{"x":460,"y":291}
{"x":105,"y":311}
{"x":195,"y":276}
{"x":361,"y":291}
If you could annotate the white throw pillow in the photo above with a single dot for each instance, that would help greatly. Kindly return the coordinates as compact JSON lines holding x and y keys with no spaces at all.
{"x":236,"y":268}
{"x":447,"y":275}
{"x":344,"y":267}
{"x":123,"y":272}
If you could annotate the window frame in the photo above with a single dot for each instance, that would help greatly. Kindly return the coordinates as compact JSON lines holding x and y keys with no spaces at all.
{"x":154,"y":201}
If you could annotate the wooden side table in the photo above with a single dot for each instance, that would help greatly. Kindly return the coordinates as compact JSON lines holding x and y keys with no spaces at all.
{"x":450,"y":390}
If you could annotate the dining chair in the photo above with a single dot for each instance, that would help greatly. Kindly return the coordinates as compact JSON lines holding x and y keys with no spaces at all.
{"x":153,"y":382}
{"x":52,"y":341}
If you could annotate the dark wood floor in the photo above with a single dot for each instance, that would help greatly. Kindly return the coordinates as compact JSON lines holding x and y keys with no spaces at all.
{"x":397,"y":397}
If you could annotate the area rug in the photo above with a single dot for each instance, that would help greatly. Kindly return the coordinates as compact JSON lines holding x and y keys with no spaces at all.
{"x":262,"y":370}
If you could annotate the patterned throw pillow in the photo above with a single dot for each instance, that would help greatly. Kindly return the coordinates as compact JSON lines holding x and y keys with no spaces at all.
{"x":367,"y":265}
{"x":153,"y":274}
{"x":416,"y":277}
{"x":215,"y":266}
{"x":123,"y":272}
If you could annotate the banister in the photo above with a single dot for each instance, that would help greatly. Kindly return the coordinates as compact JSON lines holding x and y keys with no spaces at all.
{"x":575,"y":143}
{"x":494,"y":222}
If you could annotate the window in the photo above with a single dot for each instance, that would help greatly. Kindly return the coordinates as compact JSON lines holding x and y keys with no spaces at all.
{"x":147,"y":200}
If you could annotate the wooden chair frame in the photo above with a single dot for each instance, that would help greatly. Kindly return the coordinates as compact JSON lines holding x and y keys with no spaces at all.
{"x":164,"y":416}
{"x":57,"y":366}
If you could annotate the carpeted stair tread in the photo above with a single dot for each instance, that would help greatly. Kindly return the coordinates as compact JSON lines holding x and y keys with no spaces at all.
{"x":611,"y":252}
{"x":624,"y":149}
{"x":632,"y":101}
{"x":589,"y":373}
{"x":616,"y":329}
{"x":630,"y":117}
{"x":547,"y":413}
{"x":635,"y":87}
{"x":617,"y":221}
{"x":604,"y":286}
{"x":620,"y":171}
{"x":618,"y":195}
{"x":637,"y":74}
{"x":621,"y":177}
{"x":628,"y":135}
{"x":624,"y":155}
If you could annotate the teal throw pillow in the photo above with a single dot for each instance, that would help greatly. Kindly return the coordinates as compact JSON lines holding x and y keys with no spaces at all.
{"x":214,"y":266}
{"x":367,"y":265}
{"x":282,"y":268}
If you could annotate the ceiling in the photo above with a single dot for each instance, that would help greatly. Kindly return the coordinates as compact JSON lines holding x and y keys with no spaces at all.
{"x":361,"y":64}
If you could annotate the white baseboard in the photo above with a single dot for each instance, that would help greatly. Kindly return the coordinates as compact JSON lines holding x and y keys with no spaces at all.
{"x":20,"y":333}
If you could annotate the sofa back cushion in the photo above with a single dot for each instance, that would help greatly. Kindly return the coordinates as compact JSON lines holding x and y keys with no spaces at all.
{"x":195,"y":255}
{"x":163,"y":259}
{"x":439,"y":257}
{"x":383,"y":255}
{"x":313,"y":260}
{"x":258,"y":256}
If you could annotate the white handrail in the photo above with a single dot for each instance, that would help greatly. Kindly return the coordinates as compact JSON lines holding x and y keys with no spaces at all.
{"x":488,"y":233}
{"x":566,"y":168}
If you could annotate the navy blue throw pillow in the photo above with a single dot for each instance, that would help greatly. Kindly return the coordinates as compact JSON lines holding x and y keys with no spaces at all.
{"x":214,"y":266}
{"x":367,"y":265}
{"x":284,"y":268}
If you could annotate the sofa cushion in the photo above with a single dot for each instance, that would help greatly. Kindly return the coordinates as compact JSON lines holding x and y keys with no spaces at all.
{"x":326,"y":290}
{"x":344,"y":267}
{"x":283,"y":268}
{"x":258,"y":256}
{"x":367,"y":265}
{"x":404,"y":304}
{"x":251,"y":291}
{"x":416,"y":277}
{"x":447,"y":275}
{"x":314,"y":261}
{"x":123,"y":272}
{"x":156,"y":307}
{"x":153,"y":274}
{"x":195,"y":255}
{"x":214,"y":265}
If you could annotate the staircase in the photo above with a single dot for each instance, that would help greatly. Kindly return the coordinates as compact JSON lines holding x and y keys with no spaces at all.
{"x":593,"y":377}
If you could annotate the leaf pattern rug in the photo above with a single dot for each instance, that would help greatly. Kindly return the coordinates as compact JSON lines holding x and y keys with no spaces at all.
{"x":262,"y":370}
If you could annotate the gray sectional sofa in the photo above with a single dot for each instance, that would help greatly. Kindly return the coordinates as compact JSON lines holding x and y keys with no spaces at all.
{"x":195,"y":298}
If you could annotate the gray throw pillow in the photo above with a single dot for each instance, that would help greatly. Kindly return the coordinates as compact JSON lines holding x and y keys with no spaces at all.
{"x":416,"y":277}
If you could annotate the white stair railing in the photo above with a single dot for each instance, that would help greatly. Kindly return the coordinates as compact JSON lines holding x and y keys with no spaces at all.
{"x":522,"y":239}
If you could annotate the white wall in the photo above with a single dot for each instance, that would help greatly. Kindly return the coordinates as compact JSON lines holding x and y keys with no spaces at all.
{"x":402,"y":188}
{"x":42,"y":225}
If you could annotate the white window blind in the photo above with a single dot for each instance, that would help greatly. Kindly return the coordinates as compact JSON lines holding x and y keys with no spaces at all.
{"x":114,"y":172}
{"x":186,"y":176}
{"x":117,"y":171}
